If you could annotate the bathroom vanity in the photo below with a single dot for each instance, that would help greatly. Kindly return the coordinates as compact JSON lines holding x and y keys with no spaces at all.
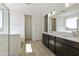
{"x":61,"y":44}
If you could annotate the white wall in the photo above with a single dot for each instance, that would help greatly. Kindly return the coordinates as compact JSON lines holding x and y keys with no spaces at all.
{"x":37,"y":26}
{"x":17,"y":23}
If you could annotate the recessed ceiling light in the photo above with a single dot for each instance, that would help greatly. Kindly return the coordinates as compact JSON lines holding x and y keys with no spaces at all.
{"x":67,"y":4}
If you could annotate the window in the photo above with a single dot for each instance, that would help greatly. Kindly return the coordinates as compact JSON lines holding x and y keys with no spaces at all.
{"x":71,"y":23}
{"x":0,"y":19}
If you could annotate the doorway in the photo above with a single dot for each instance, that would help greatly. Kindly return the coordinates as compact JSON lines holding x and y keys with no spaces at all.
{"x":53,"y":24}
{"x":28,"y":27}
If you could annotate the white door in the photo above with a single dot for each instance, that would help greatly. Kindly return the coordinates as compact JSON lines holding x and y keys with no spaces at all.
{"x":28,"y":27}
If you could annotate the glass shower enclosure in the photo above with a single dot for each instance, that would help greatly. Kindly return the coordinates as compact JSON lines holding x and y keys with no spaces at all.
{"x":4,"y":30}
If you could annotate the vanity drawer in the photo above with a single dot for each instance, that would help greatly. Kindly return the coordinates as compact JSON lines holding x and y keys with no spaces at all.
{"x":45,"y":44}
{"x":52,"y":48}
{"x":52,"y":37}
{"x":45,"y":39}
{"x":68,"y":42}
{"x":45,"y":36}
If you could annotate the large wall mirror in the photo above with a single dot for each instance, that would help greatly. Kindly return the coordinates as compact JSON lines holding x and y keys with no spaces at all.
{"x":66,"y":20}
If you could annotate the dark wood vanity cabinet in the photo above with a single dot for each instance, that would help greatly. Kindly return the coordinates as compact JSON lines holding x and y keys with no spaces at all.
{"x":60,"y":49}
{"x":49,"y":41}
{"x":65,"y":48}
{"x":61,"y":46}
{"x":45,"y":39}
{"x":52,"y":43}
{"x":71,"y":51}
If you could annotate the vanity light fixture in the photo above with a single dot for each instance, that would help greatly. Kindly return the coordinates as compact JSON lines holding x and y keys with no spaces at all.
{"x":53,"y":12}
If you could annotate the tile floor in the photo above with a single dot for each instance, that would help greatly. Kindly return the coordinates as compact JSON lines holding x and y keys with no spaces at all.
{"x":38,"y":49}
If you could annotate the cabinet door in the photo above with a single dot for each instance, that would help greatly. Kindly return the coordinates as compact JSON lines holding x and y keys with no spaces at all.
{"x":71,"y":51}
{"x":52,"y":43}
{"x":60,"y":49}
{"x":45,"y":40}
{"x":45,"y":37}
{"x":46,"y":43}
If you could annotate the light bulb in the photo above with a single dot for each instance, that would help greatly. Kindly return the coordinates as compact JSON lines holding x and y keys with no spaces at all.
{"x":53,"y":12}
{"x":67,"y":4}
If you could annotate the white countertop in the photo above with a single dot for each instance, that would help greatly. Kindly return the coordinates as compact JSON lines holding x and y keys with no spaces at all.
{"x":67,"y":36}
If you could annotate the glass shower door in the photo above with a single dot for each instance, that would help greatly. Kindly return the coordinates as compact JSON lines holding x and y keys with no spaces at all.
{"x":4,"y":30}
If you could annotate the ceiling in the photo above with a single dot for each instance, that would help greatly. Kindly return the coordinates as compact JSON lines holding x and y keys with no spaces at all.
{"x":68,"y":11}
{"x":33,"y":8}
